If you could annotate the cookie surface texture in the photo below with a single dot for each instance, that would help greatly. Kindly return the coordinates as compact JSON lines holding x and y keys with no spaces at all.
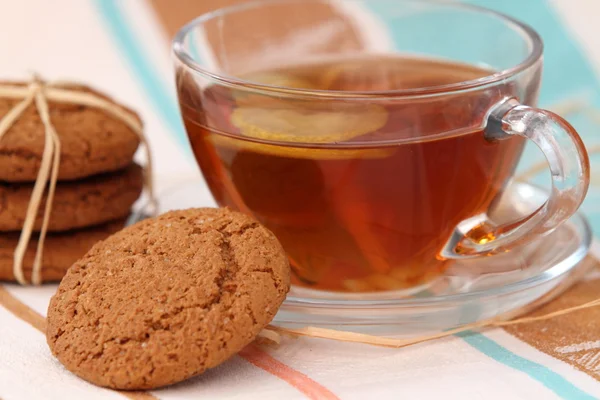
{"x":92,"y":141}
{"x":77,"y":204}
{"x":61,"y":250}
{"x":167,"y":298}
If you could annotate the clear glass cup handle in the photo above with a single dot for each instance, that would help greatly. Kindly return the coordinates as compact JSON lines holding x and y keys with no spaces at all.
{"x":570,"y":171}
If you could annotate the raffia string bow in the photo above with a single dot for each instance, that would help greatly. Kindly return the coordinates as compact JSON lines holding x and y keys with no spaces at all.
{"x":40,"y":93}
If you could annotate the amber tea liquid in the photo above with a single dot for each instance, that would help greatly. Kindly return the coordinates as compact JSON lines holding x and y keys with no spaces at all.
{"x":361,"y":194}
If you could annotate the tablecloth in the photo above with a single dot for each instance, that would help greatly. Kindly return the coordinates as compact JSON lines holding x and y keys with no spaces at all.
{"x":122,"y":48}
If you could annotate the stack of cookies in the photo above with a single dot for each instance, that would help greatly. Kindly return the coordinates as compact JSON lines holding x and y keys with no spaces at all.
{"x":97,"y":182}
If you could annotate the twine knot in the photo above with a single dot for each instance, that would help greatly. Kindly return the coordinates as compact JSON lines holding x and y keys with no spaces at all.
{"x":39,"y":92}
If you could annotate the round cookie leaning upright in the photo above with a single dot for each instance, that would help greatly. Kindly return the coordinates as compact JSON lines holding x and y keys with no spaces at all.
{"x":167,"y":298}
{"x":92,"y":141}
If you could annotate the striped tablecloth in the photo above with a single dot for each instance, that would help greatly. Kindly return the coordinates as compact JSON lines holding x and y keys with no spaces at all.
{"x":122,"y":47}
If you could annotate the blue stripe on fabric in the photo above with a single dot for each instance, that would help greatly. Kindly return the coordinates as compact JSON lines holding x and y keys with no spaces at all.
{"x":567,"y":71}
{"x":552,"y":380}
{"x":141,"y":67}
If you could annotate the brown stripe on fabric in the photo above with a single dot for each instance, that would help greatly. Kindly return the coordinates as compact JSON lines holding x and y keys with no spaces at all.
{"x":174,"y":14}
{"x":240,"y":43}
{"x":573,"y":338}
{"x":33,"y":318}
{"x":22,"y":310}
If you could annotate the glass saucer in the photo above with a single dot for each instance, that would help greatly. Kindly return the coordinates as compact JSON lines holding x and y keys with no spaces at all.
{"x":469,"y":291}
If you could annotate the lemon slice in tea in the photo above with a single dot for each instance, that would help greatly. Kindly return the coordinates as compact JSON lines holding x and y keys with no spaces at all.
{"x":307,"y":124}
{"x":272,"y":118}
